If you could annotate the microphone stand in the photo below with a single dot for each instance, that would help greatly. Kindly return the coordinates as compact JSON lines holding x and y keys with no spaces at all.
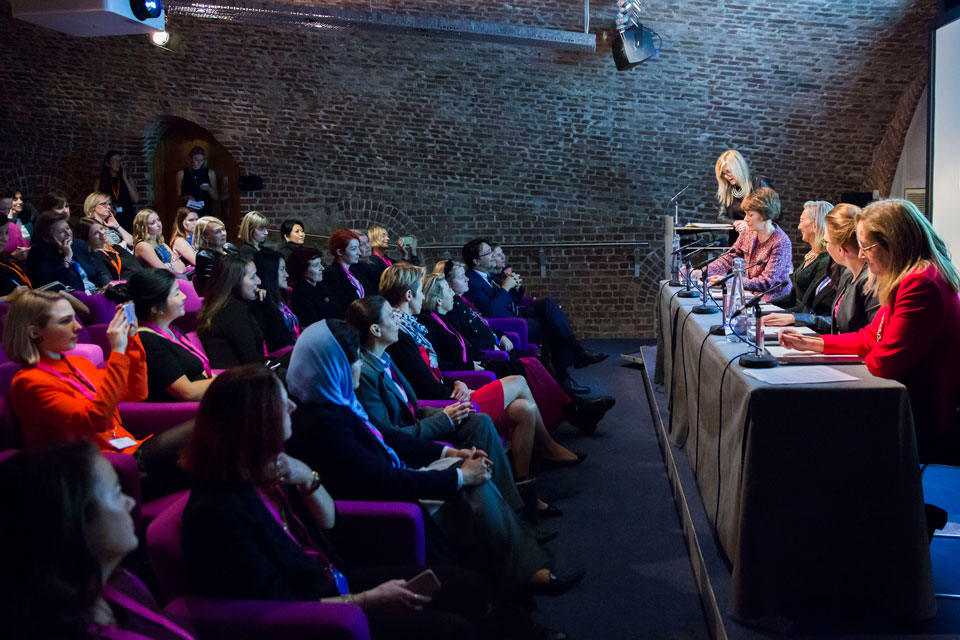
{"x":688,"y":292}
{"x":678,"y":256}
{"x":703,"y":307}
{"x":759,"y":359}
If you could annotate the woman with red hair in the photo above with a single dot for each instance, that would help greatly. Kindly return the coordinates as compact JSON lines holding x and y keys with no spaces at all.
{"x":343,"y":286}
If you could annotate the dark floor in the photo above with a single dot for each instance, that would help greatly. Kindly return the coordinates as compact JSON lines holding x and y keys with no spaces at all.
{"x":619,"y":522}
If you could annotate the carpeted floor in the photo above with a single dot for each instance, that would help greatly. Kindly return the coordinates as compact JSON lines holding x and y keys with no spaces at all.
{"x":619,"y":522}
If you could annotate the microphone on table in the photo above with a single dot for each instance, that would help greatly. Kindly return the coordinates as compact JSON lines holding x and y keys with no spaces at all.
{"x":703,"y":307}
{"x":755,"y":300}
{"x":690,"y":293}
{"x":694,"y":244}
{"x":679,"y":193}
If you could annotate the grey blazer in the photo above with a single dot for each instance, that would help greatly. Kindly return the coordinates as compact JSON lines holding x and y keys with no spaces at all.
{"x":386,"y":408}
{"x":855,"y":311}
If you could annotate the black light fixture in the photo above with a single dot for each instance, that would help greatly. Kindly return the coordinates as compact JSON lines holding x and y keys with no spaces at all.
{"x":633,"y":43}
{"x":146,"y":9}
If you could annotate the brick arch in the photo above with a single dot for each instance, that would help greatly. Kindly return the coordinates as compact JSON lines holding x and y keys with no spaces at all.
{"x":36,"y":181}
{"x":364,"y":213}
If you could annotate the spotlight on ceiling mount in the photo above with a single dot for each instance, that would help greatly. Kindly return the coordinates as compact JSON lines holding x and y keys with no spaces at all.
{"x":633,"y":43}
{"x":160,"y":38}
{"x":146,"y":9}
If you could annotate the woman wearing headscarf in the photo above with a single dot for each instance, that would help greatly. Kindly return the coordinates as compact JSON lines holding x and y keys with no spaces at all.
{"x":332,"y":431}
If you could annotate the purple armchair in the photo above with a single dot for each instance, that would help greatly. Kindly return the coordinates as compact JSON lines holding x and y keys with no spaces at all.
{"x":191,"y":305}
{"x":143,"y":418}
{"x":365,"y":521}
{"x":101,"y":309}
{"x":473,"y":379}
{"x":516,"y":330}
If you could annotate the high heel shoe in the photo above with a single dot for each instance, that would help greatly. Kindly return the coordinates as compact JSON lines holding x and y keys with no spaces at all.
{"x":547,"y":463}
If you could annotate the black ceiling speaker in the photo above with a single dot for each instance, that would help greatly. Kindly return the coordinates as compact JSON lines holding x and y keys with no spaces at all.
{"x":146,"y":9}
{"x":632,"y":46}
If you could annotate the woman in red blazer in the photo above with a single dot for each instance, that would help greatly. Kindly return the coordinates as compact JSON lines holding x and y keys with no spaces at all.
{"x":915,"y":336}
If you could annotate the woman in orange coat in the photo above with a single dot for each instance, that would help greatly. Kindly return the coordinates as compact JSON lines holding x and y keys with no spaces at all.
{"x":60,"y":398}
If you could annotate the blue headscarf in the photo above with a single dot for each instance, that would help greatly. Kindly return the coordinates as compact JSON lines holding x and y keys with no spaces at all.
{"x":319,"y":371}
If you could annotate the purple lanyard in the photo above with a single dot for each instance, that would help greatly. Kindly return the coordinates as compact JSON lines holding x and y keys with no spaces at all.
{"x":86,"y":388}
{"x":385,"y":259}
{"x":183,"y":342}
{"x":121,"y":599}
{"x":463,"y":345}
{"x":291,"y":319}
{"x":402,"y":392}
{"x":356,"y":283}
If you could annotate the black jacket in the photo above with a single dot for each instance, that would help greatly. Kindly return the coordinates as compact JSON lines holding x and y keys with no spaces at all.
{"x":448,"y":348}
{"x":406,"y":356}
{"x":340,"y":289}
{"x":45,"y":265}
{"x":354,"y":462}
{"x":129,"y":263}
{"x":234,"y":336}
{"x":206,"y":260}
{"x":311,"y":303}
{"x":856,"y":308}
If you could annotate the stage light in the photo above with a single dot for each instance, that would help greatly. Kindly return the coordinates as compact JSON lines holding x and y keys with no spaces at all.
{"x":160,"y":38}
{"x":146,"y":9}
{"x":634,"y":42}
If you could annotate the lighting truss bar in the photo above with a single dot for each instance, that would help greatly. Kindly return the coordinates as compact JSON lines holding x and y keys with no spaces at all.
{"x":277,"y":14}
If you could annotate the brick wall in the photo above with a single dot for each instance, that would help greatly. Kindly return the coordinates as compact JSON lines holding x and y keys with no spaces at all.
{"x":446,"y":140}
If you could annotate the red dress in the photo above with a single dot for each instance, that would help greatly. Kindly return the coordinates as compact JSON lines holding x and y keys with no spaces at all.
{"x":916,"y":341}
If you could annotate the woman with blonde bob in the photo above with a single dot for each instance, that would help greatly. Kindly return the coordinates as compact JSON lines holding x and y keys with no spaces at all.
{"x":734,"y":182}
{"x":913,"y":337}
{"x":814,"y":279}
{"x":97,"y":206}
{"x":253,"y":233}
{"x":150,"y":247}
{"x":210,"y":239}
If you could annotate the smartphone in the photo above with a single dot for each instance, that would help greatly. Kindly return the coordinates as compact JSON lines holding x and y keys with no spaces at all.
{"x":409,"y":241}
{"x":425,"y":583}
{"x":131,"y":315}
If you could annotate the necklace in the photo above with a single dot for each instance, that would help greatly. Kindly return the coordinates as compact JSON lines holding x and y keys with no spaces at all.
{"x":738,"y":192}
{"x":880,"y":326}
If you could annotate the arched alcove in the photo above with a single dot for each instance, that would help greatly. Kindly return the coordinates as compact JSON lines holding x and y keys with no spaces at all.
{"x":172,"y":138}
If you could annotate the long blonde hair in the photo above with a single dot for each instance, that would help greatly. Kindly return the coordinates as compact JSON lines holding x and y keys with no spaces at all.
{"x":433,"y":285}
{"x":140,"y":231}
{"x":733,"y":161}
{"x":910,"y":241}
{"x":818,"y":210}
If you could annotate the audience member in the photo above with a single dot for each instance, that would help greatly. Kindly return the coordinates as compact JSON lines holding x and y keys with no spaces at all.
{"x":734,"y":182}
{"x":331,"y":431}
{"x":182,"y":239}
{"x":57,"y":257}
{"x":309,"y":298}
{"x":545,"y":320}
{"x":814,"y":281}
{"x":508,"y":401}
{"x":56,"y":201}
{"x":97,"y":206}
{"x":292,"y":237}
{"x":19,"y":212}
{"x":226,"y":323}
{"x":177,"y":370}
{"x":210,"y":239}
{"x":13,"y":277}
{"x":455,"y":353}
{"x":59,"y":397}
{"x":503,"y":272}
{"x":67,"y":528}
{"x":197,"y":185}
{"x":150,"y":247}
{"x":115,"y":261}
{"x":16,"y":243}
{"x":279,"y":324}
{"x":913,"y":337}
{"x":343,"y":286}
{"x":253,"y":233}
{"x":391,"y":403}
{"x":123,"y":194}
{"x":763,"y":245}
{"x":368,"y":273}
{"x":380,"y":246}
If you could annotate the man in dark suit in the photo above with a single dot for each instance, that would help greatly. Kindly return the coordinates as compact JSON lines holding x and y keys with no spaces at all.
{"x":391,"y":403}
{"x":545,"y":320}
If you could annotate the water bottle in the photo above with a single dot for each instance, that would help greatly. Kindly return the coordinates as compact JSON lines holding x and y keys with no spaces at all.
{"x":735,"y":300}
{"x":676,"y":265}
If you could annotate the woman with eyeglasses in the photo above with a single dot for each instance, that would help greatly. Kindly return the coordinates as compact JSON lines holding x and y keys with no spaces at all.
{"x":115,"y":261}
{"x":914,"y":336}
{"x":97,"y":206}
{"x":57,"y":257}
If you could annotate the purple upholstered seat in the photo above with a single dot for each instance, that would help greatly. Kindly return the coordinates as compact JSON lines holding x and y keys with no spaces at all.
{"x":378,"y":531}
{"x":101,"y":309}
{"x":191,"y":305}
{"x":143,"y":418}
{"x":7,"y":371}
{"x":91,"y":352}
{"x":473,"y":379}
{"x":495,"y":355}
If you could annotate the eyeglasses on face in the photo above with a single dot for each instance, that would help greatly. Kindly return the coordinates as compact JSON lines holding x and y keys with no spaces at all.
{"x":867,"y":248}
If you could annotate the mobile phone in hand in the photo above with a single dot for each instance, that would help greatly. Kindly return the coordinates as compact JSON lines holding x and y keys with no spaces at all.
{"x":129,"y":311}
{"x":425,"y":583}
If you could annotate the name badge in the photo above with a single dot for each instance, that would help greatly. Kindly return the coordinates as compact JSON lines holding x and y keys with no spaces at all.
{"x":122,"y":443}
{"x":118,"y":209}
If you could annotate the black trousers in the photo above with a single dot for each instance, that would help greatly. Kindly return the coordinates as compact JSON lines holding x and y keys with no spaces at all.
{"x":547,"y":323}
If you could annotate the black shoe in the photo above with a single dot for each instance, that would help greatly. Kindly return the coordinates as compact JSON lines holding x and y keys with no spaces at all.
{"x":936,"y":519}
{"x":553,"y":464}
{"x":557,"y":584}
{"x":585,"y":413}
{"x":572,"y":388}
{"x":588,"y":358}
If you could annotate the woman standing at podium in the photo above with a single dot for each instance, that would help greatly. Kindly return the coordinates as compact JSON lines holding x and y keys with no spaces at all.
{"x":734,"y":183}
{"x":913,"y":337}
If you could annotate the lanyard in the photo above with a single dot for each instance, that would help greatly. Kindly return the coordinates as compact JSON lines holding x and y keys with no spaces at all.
{"x":123,"y":600}
{"x":183,"y":342}
{"x":825,"y":282}
{"x":116,"y":192}
{"x":81,"y":383}
{"x":463,"y":345}
{"x":402,"y":392}
{"x":23,"y":276}
{"x":116,"y":263}
{"x":356,"y":283}
{"x":394,"y":458}
{"x":291,"y":320}
{"x":385,"y":259}
{"x":310,"y":548}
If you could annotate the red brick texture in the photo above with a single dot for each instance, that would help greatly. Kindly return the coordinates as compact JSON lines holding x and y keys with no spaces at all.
{"x":446,"y":140}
